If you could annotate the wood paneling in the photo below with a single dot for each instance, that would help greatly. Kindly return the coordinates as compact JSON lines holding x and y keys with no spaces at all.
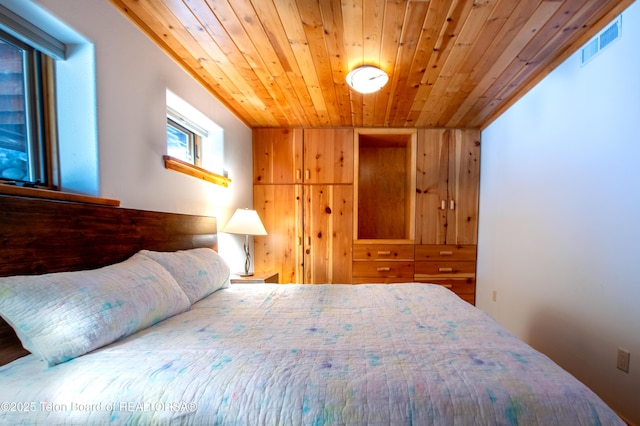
{"x":382,"y":192}
{"x":451,"y":63}
{"x":385,"y":168}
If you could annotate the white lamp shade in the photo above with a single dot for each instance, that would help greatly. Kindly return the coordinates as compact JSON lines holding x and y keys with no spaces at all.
{"x":367,"y":79}
{"x":246,"y":222}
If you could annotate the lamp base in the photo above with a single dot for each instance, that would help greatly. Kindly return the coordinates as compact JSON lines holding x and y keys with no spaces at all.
{"x":245,"y":274}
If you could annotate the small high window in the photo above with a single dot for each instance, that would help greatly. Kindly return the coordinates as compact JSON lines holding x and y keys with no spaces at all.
{"x":195,"y":144}
{"x":183,"y":143}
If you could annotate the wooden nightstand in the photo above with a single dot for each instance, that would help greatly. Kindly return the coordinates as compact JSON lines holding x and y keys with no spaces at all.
{"x":256,"y":278}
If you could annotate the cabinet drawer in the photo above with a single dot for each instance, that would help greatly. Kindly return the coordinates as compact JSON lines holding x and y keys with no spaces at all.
{"x":460,"y":286}
{"x":444,"y":269}
{"x":381,"y":280}
{"x":383,"y":251}
{"x":464,"y":288}
{"x":445,"y":252}
{"x":383,"y":268}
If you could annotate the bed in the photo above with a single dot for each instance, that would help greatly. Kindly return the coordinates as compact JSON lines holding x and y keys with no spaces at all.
{"x":247,"y":354}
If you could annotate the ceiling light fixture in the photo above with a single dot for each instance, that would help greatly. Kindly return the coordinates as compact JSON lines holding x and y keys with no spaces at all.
{"x":367,"y":79}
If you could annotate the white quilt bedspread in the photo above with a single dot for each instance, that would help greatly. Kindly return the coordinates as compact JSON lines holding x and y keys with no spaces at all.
{"x":308,"y":355}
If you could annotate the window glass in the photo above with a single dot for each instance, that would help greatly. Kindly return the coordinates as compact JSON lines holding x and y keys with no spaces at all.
{"x":16,"y":151}
{"x":180,"y":142}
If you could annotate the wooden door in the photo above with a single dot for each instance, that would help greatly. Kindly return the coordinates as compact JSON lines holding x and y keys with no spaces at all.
{"x":447,"y":186}
{"x":328,"y":156}
{"x":280,"y":209}
{"x":328,"y":233}
{"x":277,"y":156}
{"x":463,"y":187}
{"x":431,"y":186}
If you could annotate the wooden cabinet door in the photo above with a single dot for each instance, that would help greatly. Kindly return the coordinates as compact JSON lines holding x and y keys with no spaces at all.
{"x":447,"y":186}
{"x":277,"y":156}
{"x":328,"y":233}
{"x":328,"y":156}
{"x":432,"y":168}
{"x":463,"y":187}
{"x":280,"y":209}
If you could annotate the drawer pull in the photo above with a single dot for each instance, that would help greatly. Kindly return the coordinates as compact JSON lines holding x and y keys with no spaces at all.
{"x":383,"y":269}
{"x":443,"y":205}
{"x":298,"y":174}
{"x":445,"y":269}
{"x":307,"y":174}
{"x":446,"y":253}
{"x":452,"y":205}
{"x":384,"y":253}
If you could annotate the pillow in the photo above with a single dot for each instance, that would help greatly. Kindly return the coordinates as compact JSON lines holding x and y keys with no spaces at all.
{"x":199,"y":271}
{"x":63,"y":315}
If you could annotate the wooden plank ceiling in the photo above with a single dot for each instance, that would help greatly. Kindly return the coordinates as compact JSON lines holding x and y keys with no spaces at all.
{"x":453,"y":63}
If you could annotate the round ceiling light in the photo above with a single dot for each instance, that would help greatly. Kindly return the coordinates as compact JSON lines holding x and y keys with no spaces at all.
{"x":367,"y":79}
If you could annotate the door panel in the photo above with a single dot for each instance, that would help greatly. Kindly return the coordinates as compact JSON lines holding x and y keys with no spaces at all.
{"x":431,"y":186}
{"x":277,"y":156}
{"x":464,"y":188}
{"x":328,"y":233}
{"x":280,"y":209}
{"x":447,"y":186}
{"x":328,"y":156}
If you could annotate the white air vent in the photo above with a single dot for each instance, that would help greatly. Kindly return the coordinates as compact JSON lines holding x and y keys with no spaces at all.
{"x":611,"y":33}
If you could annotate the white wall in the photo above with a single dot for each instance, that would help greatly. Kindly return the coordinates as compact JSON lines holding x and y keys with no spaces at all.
{"x":132,"y":76}
{"x":559,"y":235}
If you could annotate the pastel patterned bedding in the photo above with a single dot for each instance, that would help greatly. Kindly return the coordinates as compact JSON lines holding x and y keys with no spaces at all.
{"x":397,"y":354}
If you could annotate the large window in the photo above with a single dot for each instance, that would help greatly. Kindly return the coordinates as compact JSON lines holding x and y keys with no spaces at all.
{"x":26,"y":105}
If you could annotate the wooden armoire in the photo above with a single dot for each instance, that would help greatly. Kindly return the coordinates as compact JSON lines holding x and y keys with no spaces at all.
{"x":368,"y":205}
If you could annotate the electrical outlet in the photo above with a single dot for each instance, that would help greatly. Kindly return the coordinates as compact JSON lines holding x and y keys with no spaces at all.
{"x":623,"y":360}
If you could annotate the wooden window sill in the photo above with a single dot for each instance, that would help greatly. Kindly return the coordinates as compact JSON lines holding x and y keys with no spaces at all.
{"x":173,"y":163}
{"x":55,"y":195}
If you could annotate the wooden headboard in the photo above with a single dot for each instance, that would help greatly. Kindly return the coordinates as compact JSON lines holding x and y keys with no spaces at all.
{"x":39,"y":236}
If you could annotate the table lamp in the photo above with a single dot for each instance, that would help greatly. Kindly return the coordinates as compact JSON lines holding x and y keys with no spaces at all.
{"x":245,"y":222}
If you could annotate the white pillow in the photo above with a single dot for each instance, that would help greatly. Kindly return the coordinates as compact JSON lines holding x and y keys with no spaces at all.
{"x":63,"y":315}
{"x":199,"y":271}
